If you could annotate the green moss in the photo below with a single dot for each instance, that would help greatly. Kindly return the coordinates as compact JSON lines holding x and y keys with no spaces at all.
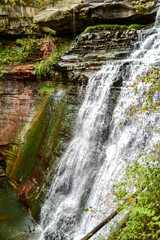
{"x":116,"y":26}
{"x":136,"y":27}
{"x":27,"y":157}
{"x":46,"y":90}
{"x":43,"y":144}
{"x":109,"y":26}
{"x":35,"y":209}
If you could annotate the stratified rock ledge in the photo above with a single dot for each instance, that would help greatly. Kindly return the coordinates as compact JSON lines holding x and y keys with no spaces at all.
{"x":80,"y":14}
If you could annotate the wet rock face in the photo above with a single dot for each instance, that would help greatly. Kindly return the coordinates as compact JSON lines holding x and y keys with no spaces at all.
{"x":35,"y":119}
{"x":20,"y":93}
{"x":26,"y":189}
{"x":15,"y":110}
{"x":87,"y":13}
{"x":35,"y":128}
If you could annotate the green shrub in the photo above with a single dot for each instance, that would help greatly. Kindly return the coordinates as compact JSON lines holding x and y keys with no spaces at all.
{"x":36,"y":3}
{"x":152,"y":82}
{"x":144,"y":210}
{"x":44,"y":68}
{"x":27,"y":51}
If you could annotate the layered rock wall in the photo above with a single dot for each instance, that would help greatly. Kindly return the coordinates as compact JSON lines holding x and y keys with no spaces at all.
{"x":36,"y":119}
{"x":86,"y":13}
{"x":37,"y":116}
{"x":16,"y":20}
{"x":94,"y":47}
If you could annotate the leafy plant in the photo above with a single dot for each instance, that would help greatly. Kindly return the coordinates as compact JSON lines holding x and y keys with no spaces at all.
{"x":36,"y":3}
{"x":7,"y":56}
{"x":45,"y":67}
{"x":27,"y":51}
{"x":144,"y":210}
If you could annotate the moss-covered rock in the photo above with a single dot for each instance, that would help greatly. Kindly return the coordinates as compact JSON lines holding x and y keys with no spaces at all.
{"x":35,"y":149}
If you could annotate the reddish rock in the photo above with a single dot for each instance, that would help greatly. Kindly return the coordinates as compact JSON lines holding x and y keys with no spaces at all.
{"x":14,"y":114}
{"x":18,"y":104}
{"x":22,"y":72}
{"x":25,"y":190}
{"x":26,"y":71}
{"x":47,"y":48}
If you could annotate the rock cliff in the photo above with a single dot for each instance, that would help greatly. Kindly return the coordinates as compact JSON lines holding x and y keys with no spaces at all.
{"x":82,"y":13}
{"x":16,"y":21}
{"x":94,"y":47}
{"x":37,"y":116}
{"x":36,"y":119}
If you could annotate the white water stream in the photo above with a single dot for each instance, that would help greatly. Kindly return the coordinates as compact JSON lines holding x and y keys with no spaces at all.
{"x":91,"y":164}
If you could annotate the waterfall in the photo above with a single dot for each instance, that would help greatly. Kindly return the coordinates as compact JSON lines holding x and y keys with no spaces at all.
{"x":85,"y":174}
{"x":74,"y":22}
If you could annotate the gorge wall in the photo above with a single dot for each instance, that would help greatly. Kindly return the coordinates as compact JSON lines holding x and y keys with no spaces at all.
{"x":84,"y":13}
{"x":37,"y":116}
{"x":15,"y":21}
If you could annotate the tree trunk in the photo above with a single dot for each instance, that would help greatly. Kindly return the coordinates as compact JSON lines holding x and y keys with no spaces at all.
{"x":112,"y":215}
{"x":102,"y":224}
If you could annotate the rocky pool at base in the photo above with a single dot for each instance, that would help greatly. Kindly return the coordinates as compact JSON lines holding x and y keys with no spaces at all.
{"x":15,"y":221}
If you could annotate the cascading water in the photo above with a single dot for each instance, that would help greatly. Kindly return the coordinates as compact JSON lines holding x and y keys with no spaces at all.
{"x":91,"y":164}
{"x":74,"y":23}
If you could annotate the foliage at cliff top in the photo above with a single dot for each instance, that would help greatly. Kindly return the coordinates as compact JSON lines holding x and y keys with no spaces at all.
{"x":143,"y":5}
{"x":32,"y":3}
{"x":36,"y":3}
